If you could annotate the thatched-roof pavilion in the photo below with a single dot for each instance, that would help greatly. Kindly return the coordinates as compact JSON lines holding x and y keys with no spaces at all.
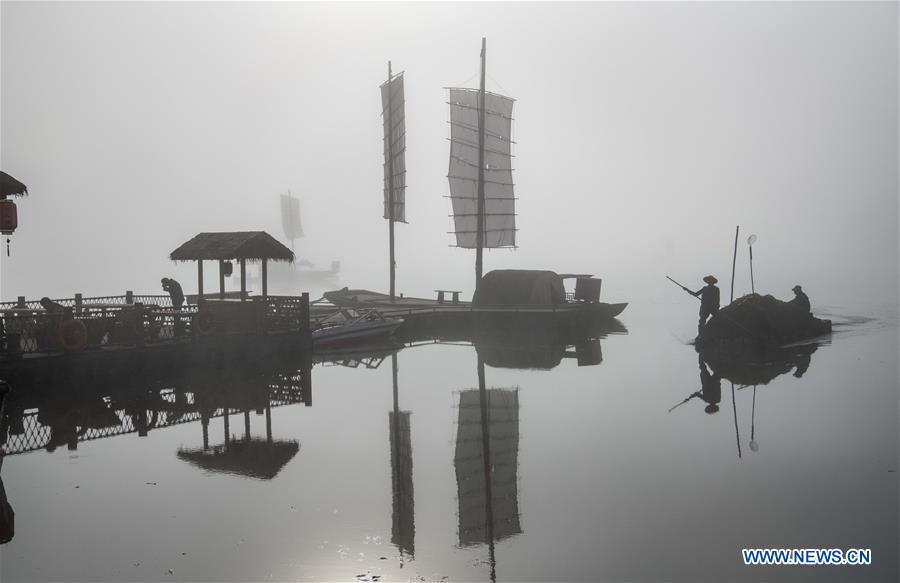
{"x":242,"y":246}
{"x":9,"y":186}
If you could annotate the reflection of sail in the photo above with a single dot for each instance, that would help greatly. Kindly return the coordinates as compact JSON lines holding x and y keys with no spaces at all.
{"x":502,"y":418}
{"x":290,"y":217}
{"x":403,"y":528}
{"x":499,"y":201}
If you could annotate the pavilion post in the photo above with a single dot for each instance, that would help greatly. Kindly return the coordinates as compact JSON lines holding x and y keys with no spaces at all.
{"x":199,"y":280}
{"x":227,"y":429}
{"x":265,"y":277}
{"x":243,"y":279}
{"x":221,"y":279}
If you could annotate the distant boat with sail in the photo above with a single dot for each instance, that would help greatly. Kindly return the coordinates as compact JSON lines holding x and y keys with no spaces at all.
{"x":289,"y":277}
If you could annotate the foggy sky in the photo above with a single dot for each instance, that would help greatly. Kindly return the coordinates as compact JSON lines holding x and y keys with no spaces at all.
{"x":645,"y":133}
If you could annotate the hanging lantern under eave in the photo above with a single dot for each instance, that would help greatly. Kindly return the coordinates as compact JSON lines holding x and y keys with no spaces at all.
{"x":9,"y":218}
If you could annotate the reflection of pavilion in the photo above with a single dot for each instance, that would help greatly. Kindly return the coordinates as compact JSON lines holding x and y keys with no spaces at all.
{"x":255,"y":458}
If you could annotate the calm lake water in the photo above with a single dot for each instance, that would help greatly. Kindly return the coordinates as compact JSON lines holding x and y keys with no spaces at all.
{"x":593,"y":478}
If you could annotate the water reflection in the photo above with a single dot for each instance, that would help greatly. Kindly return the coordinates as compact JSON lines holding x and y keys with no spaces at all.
{"x":542,"y":346}
{"x":745,"y":369}
{"x":403,"y":526}
{"x":762,"y":366}
{"x":7,"y":516}
{"x":67,"y":416}
{"x":486,"y":463}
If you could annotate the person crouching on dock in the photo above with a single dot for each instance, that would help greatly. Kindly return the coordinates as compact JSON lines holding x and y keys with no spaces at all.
{"x":709,"y":301}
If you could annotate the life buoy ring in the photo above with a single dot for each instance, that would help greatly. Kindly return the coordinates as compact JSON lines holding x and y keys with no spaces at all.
{"x":72,"y":335}
{"x":202,"y":322}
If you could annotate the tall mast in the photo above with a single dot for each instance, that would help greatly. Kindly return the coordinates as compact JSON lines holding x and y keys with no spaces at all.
{"x":391,"y":178}
{"x":480,"y":212}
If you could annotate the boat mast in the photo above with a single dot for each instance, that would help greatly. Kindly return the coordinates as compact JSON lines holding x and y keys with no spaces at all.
{"x":390,"y":139}
{"x":480,"y":226}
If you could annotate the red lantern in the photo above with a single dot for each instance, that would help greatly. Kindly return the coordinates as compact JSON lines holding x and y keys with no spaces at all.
{"x":8,"y":217}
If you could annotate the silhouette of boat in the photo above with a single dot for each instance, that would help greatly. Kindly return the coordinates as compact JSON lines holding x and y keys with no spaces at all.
{"x":352,"y":328}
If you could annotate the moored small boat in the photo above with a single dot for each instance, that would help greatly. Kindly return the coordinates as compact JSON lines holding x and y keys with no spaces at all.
{"x":348,"y":327}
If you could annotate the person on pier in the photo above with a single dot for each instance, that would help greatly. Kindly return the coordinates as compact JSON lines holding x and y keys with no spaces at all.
{"x":173,"y":288}
{"x":709,"y":301}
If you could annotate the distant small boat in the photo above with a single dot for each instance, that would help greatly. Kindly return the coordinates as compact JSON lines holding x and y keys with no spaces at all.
{"x":348,"y":327}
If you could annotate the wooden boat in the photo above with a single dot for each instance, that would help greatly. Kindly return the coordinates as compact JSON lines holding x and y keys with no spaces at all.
{"x":483,"y":201}
{"x":349,"y":327}
{"x":520,"y":292}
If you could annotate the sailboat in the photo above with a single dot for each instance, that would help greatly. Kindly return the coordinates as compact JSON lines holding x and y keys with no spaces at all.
{"x":484,"y":211}
{"x":289,"y":277}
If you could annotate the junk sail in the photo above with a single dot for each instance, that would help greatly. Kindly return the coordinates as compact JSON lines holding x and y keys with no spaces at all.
{"x":499,"y":200}
{"x":497,"y":497}
{"x":290,"y":218}
{"x":392,"y":108}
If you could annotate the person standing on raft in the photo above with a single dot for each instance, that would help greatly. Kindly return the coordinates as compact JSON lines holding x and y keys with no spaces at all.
{"x":709,"y":301}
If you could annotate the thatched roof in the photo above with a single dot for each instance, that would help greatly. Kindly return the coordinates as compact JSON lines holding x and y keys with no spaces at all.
{"x":254,"y":458}
{"x":9,"y":186}
{"x":250,"y":245}
{"x":519,"y":287}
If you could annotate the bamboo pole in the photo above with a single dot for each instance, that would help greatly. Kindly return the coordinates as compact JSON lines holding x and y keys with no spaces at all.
{"x":390,"y":169}
{"x":734,"y":261}
{"x":479,"y":251}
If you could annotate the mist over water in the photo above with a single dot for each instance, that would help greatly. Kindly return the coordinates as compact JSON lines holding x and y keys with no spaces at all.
{"x":644,"y":133}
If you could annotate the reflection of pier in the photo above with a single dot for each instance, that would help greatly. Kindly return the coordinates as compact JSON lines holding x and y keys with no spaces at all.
{"x":69,"y":419}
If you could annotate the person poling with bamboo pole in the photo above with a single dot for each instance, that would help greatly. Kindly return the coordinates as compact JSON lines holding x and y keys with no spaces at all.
{"x":709,"y":299}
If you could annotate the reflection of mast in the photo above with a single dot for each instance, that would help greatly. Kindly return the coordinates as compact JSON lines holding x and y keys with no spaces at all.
{"x":403,"y":527}
{"x":754,"y":446}
{"x":737,"y":434}
{"x":486,"y":461}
